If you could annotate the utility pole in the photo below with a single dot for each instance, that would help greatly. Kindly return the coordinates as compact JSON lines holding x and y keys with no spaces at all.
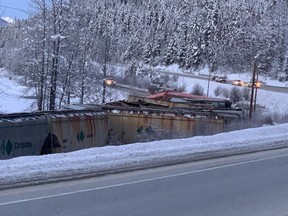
{"x":256,"y":90}
{"x":252,"y":87}
{"x":209,"y":78}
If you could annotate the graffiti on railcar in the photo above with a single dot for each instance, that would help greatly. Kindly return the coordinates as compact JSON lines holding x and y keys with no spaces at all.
{"x":51,"y":143}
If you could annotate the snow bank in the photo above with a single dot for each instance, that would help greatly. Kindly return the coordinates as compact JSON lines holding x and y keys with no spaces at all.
{"x":109,"y":159}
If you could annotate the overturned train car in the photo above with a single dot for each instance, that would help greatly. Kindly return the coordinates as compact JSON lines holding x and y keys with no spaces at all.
{"x":129,"y":126}
{"x":168,"y":115}
{"x":136,"y":120}
{"x":43,"y":133}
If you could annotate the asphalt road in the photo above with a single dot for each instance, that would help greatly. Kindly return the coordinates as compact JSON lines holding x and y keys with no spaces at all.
{"x":263,"y":87}
{"x":253,"y":184}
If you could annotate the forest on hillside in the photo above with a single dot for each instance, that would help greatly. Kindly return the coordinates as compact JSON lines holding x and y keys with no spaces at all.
{"x":65,"y":47}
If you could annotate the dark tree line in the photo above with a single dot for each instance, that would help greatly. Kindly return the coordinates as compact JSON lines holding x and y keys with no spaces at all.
{"x":66,"y":46}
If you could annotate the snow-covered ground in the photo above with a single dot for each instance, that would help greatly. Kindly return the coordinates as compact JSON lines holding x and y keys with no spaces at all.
{"x":13,"y":96}
{"x":115,"y":158}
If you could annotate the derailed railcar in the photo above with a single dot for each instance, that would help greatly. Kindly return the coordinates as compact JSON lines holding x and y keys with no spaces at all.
{"x":134,"y":126}
{"x":79,"y":130}
{"x":51,"y":132}
{"x":168,"y":115}
{"x":22,"y":134}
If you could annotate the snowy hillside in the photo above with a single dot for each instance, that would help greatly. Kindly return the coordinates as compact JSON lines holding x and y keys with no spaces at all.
{"x":13,"y":98}
{"x":3,"y":22}
{"x":17,"y":98}
{"x":8,"y":19}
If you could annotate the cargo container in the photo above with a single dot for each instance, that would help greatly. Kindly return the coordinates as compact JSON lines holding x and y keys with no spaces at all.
{"x":22,"y":135}
{"x":134,"y":126}
{"x":51,"y":132}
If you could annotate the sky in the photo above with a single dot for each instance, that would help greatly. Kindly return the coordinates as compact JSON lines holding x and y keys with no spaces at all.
{"x":14,"y":8}
{"x":112,"y":158}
